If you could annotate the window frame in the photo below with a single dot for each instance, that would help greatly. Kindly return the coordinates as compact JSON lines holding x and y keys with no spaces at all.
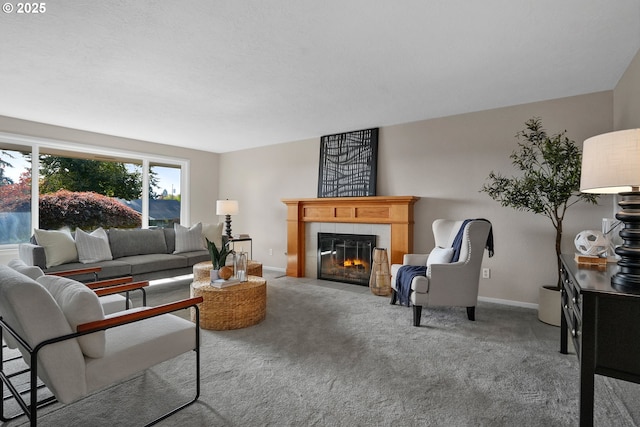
{"x":39,"y":144}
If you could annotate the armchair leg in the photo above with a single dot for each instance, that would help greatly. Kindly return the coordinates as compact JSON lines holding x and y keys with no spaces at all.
{"x":471,"y":313}
{"x":417,"y":314}
{"x":394,"y":296}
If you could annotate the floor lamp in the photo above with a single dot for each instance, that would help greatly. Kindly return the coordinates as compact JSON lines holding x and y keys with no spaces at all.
{"x":227,"y":208}
{"x":611,"y":164}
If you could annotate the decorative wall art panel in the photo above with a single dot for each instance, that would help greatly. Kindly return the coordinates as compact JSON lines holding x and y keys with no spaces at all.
{"x":348,"y":164}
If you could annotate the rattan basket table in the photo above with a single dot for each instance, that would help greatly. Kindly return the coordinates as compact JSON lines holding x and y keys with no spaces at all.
{"x":233,"y":307}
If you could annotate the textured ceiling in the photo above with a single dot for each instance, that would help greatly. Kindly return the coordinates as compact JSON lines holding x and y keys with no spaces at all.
{"x":227,"y":75}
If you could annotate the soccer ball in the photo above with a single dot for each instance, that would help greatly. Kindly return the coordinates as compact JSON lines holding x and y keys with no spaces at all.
{"x":591,"y":242}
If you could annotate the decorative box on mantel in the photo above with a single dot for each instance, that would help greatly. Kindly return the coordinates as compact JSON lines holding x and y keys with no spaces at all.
{"x":397,"y":211}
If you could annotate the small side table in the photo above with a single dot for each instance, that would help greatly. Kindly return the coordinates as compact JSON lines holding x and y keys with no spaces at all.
{"x":233,"y":307}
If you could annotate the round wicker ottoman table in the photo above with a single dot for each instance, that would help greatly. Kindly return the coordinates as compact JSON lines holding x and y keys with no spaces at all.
{"x":233,"y":307}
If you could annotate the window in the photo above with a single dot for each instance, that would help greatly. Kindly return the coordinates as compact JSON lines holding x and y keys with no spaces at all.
{"x":87,"y":187}
{"x":15,"y":195}
{"x":164,"y":195}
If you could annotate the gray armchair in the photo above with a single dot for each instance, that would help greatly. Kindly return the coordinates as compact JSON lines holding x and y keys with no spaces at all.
{"x":447,"y":283}
{"x":78,"y":349}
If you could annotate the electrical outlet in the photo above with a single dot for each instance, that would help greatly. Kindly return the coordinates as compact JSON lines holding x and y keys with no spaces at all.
{"x":270,"y":251}
{"x":486,"y":273}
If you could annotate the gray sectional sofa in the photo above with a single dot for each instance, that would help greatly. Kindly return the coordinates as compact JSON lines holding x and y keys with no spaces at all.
{"x":145,"y":254}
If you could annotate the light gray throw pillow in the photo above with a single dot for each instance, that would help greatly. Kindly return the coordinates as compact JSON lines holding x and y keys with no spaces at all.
{"x":213,"y":233}
{"x":59,"y":246}
{"x":93,"y":247}
{"x":79,"y":305}
{"x":188,"y":239}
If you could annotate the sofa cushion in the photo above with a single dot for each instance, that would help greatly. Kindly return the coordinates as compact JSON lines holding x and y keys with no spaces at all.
{"x":213,"y":232}
{"x":59,"y":246}
{"x":134,"y":347}
{"x":170,"y":239}
{"x":136,"y":242}
{"x":93,"y":247}
{"x":21,"y":267}
{"x":109,"y":269}
{"x":34,"y":315}
{"x":195,"y":257}
{"x":188,"y":239}
{"x":154,"y":262}
{"x":31,"y":272}
{"x":79,"y":305}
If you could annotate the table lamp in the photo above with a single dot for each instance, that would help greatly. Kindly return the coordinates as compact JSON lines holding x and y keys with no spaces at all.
{"x":611,"y":165}
{"x":227,"y":208}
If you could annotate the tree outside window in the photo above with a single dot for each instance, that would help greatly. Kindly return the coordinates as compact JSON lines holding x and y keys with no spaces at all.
{"x":85,"y":193}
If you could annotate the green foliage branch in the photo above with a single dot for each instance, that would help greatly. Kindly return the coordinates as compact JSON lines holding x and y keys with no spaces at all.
{"x":4,"y":179}
{"x":550,"y":178}
{"x":81,"y":175}
{"x":218,"y":256}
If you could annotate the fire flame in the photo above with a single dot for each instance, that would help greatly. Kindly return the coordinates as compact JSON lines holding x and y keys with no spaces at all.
{"x":352,"y":262}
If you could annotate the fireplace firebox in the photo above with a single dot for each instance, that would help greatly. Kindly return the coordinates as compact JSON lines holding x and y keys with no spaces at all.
{"x":345,"y":257}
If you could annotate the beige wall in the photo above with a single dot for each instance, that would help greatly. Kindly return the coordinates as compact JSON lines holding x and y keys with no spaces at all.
{"x":445,"y":162}
{"x":203,"y":165}
{"x":626,"y":105}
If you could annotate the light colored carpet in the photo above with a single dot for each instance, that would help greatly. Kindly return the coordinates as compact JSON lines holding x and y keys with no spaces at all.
{"x":330,"y":354}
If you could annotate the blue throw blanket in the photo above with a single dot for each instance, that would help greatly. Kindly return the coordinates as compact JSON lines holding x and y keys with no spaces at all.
{"x":457,"y":241}
{"x":405,"y":276}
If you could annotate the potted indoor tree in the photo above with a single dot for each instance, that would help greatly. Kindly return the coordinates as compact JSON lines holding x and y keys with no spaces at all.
{"x":548,"y":184}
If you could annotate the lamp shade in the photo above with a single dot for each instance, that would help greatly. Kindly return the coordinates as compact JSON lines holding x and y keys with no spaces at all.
{"x":227,"y":207}
{"x":611,"y":162}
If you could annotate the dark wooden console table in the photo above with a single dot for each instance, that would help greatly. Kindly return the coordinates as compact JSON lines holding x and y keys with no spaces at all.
{"x":604,"y":325}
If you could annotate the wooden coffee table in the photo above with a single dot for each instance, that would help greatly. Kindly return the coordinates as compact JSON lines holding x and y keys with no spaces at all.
{"x":233,"y":307}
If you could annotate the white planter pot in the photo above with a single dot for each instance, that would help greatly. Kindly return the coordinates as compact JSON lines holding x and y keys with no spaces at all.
{"x":214,"y":275}
{"x":549,"y":305}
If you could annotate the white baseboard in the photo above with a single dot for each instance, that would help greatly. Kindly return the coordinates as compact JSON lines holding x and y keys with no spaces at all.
{"x":509,"y":302}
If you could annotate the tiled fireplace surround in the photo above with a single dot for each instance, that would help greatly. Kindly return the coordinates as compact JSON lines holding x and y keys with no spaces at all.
{"x":390,"y":218}
{"x":381,"y":231}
